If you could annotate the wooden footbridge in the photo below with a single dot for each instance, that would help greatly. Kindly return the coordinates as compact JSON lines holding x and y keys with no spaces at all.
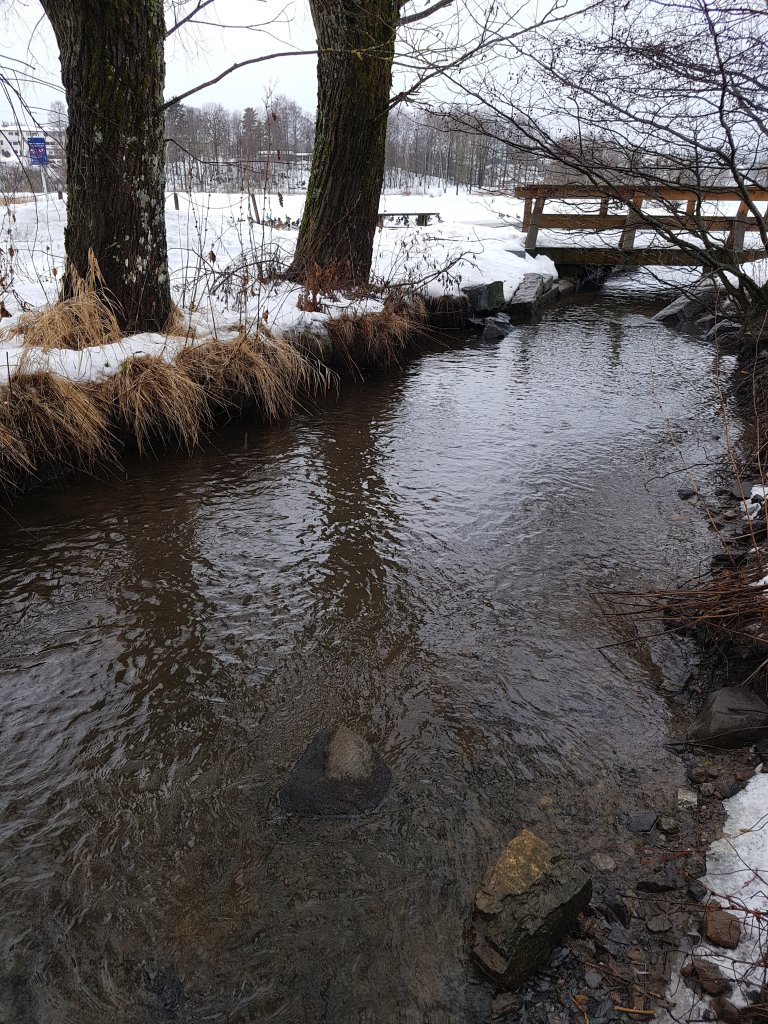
{"x":675,"y":217}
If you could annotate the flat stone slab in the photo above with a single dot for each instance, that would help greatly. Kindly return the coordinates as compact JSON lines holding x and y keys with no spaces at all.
{"x":531,"y":898}
{"x":338,"y":775}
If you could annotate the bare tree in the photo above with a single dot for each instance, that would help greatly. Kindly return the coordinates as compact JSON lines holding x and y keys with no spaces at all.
{"x":646,"y":95}
{"x":113,"y":70}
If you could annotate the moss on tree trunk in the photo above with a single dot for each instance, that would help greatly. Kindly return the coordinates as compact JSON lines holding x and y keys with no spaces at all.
{"x":356,"y":44}
{"x":113,"y":68}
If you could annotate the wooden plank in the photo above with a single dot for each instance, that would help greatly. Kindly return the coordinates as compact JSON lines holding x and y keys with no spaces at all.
{"x":605,"y":256}
{"x":735,"y":241}
{"x":721,"y":192}
{"x":634,"y":219}
{"x":527,"y":213}
{"x":533,"y":227}
{"x":595,"y":222}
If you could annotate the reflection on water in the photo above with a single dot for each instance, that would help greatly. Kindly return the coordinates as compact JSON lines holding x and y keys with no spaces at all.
{"x":419,"y":561}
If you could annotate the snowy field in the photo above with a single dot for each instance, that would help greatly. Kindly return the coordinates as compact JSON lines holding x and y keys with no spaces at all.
{"x":213,"y":238}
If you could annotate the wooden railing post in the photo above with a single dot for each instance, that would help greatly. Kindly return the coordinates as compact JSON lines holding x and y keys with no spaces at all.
{"x":627,"y":241}
{"x":735,"y":240}
{"x":527,"y":213}
{"x":533,"y":226}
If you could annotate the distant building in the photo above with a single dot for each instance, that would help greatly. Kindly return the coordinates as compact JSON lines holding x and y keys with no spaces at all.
{"x":13,"y":143}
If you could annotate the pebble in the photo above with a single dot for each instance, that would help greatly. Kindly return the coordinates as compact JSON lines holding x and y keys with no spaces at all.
{"x":603,"y":862}
{"x":668,"y":825}
{"x":687,"y":798}
{"x":593,"y":979}
{"x":659,"y":923}
{"x":641,"y":821}
{"x":707,"y":789}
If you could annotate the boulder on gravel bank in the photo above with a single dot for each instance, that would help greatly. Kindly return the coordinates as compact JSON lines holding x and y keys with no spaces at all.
{"x":531,"y":898}
{"x":732,"y":717}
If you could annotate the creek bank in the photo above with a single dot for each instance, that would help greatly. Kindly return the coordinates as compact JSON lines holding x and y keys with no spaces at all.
{"x":651,"y":915}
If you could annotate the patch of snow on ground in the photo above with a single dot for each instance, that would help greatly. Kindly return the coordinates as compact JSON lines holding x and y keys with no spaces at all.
{"x":218,"y":249}
{"x":737,"y":877}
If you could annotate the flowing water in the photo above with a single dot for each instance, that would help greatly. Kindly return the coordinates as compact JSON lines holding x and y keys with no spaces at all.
{"x":427,"y":559}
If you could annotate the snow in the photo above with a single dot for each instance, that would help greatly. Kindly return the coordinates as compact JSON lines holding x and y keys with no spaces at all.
{"x":737,"y":877}
{"x":477,"y":240}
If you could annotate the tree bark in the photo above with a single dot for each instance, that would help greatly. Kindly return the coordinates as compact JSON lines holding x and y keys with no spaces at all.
{"x":113,"y":69}
{"x":356,"y":43}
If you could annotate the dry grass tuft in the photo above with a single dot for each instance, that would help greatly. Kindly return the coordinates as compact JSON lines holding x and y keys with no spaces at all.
{"x":253,"y":371}
{"x":157,"y":403}
{"x":375,"y":339}
{"x":179,"y":325}
{"x":52,"y":422}
{"x":82,"y":321}
{"x":15,"y":463}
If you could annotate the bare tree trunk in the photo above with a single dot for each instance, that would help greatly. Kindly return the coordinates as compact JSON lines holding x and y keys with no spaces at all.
{"x":356,"y":43}
{"x":113,"y":68}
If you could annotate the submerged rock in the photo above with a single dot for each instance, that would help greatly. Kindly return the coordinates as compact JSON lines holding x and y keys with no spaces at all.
{"x":732,"y":717}
{"x":531,"y":898}
{"x":338,"y":775}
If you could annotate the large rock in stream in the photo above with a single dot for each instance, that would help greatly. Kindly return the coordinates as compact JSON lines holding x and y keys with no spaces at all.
{"x":531,"y":898}
{"x":338,"y":775}
{"x":732,"y":717}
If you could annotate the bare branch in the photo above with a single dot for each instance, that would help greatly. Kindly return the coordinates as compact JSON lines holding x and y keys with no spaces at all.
{"x":409,"y":19}
{"x":236,"y":67}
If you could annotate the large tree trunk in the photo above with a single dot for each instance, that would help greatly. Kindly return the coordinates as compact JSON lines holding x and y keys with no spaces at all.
{"x":113,"y":68}
{"x":356,"y":43}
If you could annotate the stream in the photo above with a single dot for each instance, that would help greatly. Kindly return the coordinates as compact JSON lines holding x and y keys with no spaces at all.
{"x":428,"y":558}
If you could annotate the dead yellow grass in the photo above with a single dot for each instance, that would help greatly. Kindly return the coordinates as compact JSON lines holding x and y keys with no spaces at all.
{"x":179,"y":324}
{"x":55,"y":422}
{"x":375,"y":339}
{"x":157,"y":402}
{"x":83,"y":320}
{"x":264,"y":372}
{"x":15,"y":463}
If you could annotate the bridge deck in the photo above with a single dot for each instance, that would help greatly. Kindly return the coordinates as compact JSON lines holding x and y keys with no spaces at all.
{"x":671,"y":221}
{"x":603,"y":256}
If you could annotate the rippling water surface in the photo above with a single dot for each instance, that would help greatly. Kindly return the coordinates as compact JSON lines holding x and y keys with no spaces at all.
{"x":422,"y":559}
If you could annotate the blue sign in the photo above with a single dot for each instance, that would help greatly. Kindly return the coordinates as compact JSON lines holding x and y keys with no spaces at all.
{"x":38,"y":154}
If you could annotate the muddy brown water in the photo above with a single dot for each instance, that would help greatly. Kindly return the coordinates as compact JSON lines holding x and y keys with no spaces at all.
{"x":427,"y":559}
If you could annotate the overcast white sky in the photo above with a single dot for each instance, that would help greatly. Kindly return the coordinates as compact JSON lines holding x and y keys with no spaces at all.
{"x":192,"y":55}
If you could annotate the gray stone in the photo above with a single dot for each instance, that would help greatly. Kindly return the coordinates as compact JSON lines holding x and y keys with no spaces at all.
{"x":641,"y":821}
{"x":732,"y":717}
{"x":603,"y":862}
{"x":685,"y":493}
{"x":668,"y":825}
{"x":527,"y":296}
{"x":485,"y":298}
{"x":719,"y":927}
{"x":505,"y":1004}
{"x":531,"y":898}
{"x":690,"y":305}
{"x":658,"y":924}
{"x":710,"y":977}
{"x":495,"y":330}
{"x":338,"y":775}
{"x":687,"y":798}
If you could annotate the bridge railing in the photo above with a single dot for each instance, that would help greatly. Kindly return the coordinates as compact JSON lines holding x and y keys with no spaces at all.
{"x":691,"y":219}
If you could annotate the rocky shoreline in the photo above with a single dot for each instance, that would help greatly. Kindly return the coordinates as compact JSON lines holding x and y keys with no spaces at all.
{"x":652,"y":924}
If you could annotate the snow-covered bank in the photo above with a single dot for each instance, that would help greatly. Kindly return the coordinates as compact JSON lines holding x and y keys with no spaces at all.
{"x":737,"y":878}
{"x":222,"y":246}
